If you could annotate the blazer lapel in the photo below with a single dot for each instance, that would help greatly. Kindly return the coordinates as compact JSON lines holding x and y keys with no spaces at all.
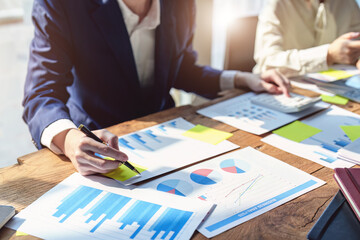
{"x":110,"y":21}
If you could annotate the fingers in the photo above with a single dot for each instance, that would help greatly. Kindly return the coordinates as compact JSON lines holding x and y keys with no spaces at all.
{"x":354,"y":44}
{"x":89,"y":164}
{"x":108,"y":137}
{"x":282,"y":83}
{"x":90,"y":145}
{"x":81,"y":150}
{"x":271,"y":88}
{"x":350,"y":35}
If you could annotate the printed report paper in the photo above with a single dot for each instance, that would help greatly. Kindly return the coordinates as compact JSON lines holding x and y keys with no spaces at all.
{"x":243,"y":184}
{"x":97,"y":208}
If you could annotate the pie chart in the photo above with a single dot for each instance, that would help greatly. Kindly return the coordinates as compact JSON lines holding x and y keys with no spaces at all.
{"x":206,"y":176}
{"x":175,"y":186}
{"x":234,"y":166}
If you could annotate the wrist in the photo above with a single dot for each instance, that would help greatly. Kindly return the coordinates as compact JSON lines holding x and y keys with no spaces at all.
{"x":329,"y":59}
{"x":240,"y":80}
{"x":60,"y":139}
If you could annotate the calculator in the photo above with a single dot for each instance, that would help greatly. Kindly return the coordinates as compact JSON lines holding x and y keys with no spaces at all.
{"x":282,"y":103}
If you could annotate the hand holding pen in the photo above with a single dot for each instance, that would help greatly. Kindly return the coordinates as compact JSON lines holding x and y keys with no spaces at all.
{"x":96,"y":138}
{"x":80,"y":150}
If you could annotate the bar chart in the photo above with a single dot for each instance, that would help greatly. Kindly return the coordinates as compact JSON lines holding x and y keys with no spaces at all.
{"x":157,"y":145}
{"x":81,"y":208}
{"x":139,"y":213}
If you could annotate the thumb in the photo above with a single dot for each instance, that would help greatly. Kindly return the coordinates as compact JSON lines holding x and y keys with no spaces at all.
{"x":350,"y":35}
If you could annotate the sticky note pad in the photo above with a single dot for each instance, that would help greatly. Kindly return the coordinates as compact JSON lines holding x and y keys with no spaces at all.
{"x":208,"y":135}
{"x":297,"y":131}
{"x":337,"y":74}
{"x":335,"y":99}
{"x":123,"y":173}
{"x":353,"y":132}
{"x":18,"y":234}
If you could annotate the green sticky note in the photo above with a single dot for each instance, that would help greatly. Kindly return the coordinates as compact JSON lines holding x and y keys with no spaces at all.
{"x":208,"y":135}
{"x":337,"y":74}
{"x":335,"y":99}
{"x":123,"y":173}
{"x":353,"y":132}
{"x":297,"y":131}
{"x":18,"y":234}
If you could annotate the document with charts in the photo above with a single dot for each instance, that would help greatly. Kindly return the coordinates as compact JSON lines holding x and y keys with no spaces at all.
{"x":239,"y":112}
{"x":97,"y":208}
{"x":163,"y":148}
{"x":321,"y":148}
{"x":243,"y":184}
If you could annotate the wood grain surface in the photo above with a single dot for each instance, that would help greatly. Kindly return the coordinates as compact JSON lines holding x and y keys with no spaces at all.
{"x":38,"y":172}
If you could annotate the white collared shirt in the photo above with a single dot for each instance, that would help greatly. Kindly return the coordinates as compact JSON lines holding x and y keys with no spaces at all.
{"x":142,"y":38}
{"x":294,"y":38}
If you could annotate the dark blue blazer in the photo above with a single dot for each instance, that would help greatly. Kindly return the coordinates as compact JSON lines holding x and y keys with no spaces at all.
{"x":82,"y":67}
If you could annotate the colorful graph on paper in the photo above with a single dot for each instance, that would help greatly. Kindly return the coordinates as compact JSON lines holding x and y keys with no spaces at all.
{"x":242,"y":184}
{"x":90,"y":212}
{"x":321,"y":148}
{"x":239,"y":112}
{"x":157,"y":145}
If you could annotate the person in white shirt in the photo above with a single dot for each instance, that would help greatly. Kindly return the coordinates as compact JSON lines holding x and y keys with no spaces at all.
{"x":302,"y":36}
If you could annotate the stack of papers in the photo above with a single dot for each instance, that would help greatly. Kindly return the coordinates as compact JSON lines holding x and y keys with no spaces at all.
{"x":351,"y":152}
{"x":318,"y":138}
{"x":335,"y":73}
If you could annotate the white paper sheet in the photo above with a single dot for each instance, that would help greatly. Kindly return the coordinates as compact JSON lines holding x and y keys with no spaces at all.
{"x":321,"y":148}
{"x":348,"y":69}
{"x":243,"y":184}
{"x":239,"y":112}
{"x":96,"y":208}
{"x":162,"y":148}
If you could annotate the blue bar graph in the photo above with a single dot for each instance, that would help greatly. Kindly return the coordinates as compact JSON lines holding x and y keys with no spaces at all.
{"x":173,"y":124}
{"x":342,"y":142}
{"x":326,"y":145}
{"x":78,"y":199}
{"x":136,"y":137}
{"x":162,"y":128}
{"x":172,"y":220}
{"x":142,"y":213}
{"x":109,"y":205}
{"x":124,"y":143}
{"x":151,"y":135}
{"x":326,"y":158}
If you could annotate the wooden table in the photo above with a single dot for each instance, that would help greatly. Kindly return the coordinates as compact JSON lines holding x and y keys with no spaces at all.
{"x":36,"y":173}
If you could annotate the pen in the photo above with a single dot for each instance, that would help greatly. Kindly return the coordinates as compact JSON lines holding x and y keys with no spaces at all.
{"x":96,"y":138}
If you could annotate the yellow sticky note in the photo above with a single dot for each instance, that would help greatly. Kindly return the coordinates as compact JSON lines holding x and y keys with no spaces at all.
{"x":297,"y":131}
{"x":353,"y":132}
{"x":334,"y":99}
{"x":123,"y":173}
{"x":18,"y":234}
{"x":208,"y":135}
{"x":337,"y":74}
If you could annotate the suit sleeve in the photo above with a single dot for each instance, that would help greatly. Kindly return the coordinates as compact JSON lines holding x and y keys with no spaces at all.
{"x":202,"y":80}
{"x":49,"y":69}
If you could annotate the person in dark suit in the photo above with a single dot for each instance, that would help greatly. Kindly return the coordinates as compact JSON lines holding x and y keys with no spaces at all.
{"x":102,"y":62}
